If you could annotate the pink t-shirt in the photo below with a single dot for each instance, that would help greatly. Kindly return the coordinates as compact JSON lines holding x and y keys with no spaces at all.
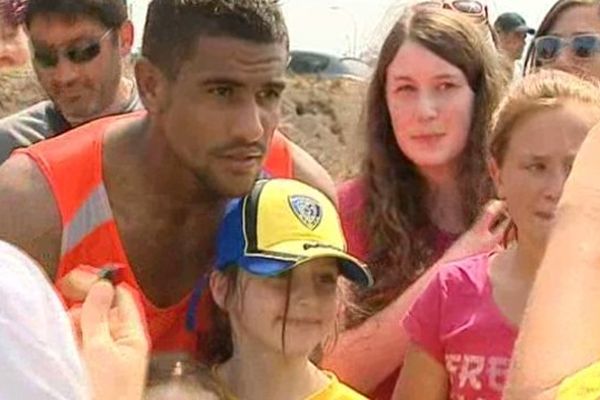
{"x":457,"y":322}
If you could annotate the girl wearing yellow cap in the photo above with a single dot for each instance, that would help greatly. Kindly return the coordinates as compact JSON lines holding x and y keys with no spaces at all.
{"x":280,"y":252}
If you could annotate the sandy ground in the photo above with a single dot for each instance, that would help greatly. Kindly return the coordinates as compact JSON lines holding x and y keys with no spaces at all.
{"x":18,"y":89}
{"x":322,"y":116}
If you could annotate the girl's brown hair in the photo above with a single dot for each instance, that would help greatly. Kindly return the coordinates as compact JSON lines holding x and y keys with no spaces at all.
{"x":542,"y":90}
{"x":216,"y":343}
{"x":395,"y":189}
{"x":548,"y":23}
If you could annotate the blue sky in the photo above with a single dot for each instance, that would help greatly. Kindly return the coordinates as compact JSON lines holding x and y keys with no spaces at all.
{"x":337,"y":26}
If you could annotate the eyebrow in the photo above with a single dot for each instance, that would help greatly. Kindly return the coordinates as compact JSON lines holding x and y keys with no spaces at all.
{"x":438,"y":77}
{"x":562,"y":34}
{"x":544,"y":157}
{"x":276,"y":84}
{"x":74,"y":42}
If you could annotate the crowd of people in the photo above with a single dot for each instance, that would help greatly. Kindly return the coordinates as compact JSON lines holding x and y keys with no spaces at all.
{"x":161,"y":238}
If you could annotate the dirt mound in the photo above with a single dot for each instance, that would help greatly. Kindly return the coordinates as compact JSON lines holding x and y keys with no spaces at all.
{"x":320,"y":115}
{"x":19,"y":89}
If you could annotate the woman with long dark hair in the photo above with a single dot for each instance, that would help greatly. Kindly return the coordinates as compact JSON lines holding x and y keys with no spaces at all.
{"x":430,"y":101}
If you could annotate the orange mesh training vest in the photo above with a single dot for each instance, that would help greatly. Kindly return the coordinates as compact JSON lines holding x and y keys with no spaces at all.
{"x":278,"y":162}
{"x":72,"y":165}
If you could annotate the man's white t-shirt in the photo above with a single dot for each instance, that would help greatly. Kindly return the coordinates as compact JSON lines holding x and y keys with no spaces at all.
{"x":39,"y":358}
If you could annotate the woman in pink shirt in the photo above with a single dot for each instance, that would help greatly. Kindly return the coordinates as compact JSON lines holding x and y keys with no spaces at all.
{"x":435,"y":87}
{"x":463,"y":326}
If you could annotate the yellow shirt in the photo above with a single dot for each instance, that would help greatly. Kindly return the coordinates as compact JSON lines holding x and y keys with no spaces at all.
{"x":336,"y":390}
{"x":584,"y":385}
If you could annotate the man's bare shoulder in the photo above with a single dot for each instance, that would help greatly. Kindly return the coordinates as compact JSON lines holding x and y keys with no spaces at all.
{"x":28,"y":211}
{"x":308,"y":170}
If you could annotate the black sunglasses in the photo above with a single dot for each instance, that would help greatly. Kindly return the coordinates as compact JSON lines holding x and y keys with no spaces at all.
{"x":547,"y":48}
{"x":78,"y":54}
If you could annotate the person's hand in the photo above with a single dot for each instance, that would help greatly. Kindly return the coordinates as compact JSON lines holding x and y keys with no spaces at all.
{"x":485,"y":235}
{"x":112,"y":335}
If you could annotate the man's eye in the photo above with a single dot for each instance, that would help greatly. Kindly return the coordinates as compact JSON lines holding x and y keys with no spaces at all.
{"x":271,"y":94}
{"x":222,"y":91}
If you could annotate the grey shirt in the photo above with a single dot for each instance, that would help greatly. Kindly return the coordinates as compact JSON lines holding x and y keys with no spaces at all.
{"x":38,"y":122}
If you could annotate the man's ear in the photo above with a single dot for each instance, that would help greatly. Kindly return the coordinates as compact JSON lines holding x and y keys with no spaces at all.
{"x":126,"y":36}
{"x":495,"y":173}
{"x":152,"y":86}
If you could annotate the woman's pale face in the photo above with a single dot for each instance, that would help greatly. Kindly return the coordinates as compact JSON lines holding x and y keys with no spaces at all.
{"x":538,"y":159}
{"x":584,"y":19}
{"x":431,"y":107}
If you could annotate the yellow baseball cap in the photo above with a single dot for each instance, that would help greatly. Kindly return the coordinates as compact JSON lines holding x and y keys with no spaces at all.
{"x":282,"y":223}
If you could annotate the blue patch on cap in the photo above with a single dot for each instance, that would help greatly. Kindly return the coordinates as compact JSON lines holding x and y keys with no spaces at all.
{"x":307,"y":210}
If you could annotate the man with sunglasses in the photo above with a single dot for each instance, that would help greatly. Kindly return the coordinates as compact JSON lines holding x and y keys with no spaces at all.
{"x":512,"y":31}
{"x":78,"y":48}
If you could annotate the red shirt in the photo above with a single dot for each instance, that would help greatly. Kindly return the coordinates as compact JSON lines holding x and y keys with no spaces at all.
{"x":352,"y":205}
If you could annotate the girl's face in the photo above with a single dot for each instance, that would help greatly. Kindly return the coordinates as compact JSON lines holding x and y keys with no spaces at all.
{"x":538,"y":159}
{"x":257,"y":308}
{"x":572,"y":43}
{"x":431,"y":107}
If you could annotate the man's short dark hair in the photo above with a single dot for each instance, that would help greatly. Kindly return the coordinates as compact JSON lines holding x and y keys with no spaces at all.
{"x":174,"y":26}
{"x":110,"y":13}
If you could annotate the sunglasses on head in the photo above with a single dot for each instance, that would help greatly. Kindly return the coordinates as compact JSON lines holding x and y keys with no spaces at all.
{"x":548,"y":48}
{"x":78,"y":54}
{"x":469,"y":7}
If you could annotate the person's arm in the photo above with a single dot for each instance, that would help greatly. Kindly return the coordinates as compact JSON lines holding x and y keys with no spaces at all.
{"x":366,"y":355}
{"x":29,"y":217}
{"x":422,"y":377}
{"x":308,"y":170}
{"x":560,"y":332}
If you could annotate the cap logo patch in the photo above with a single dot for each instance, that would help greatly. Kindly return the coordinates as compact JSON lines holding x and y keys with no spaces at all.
{"x":307,"y":210}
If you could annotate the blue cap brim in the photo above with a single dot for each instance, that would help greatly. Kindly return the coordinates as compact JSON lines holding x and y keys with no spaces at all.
{"x":270,"y":267}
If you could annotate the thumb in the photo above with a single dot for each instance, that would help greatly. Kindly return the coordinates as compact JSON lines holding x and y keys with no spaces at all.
{"x":131,"y":313}
{"x":95,"y":310}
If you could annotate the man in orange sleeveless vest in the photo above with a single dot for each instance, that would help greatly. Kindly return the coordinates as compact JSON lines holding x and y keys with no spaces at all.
{"x":147,"y":190}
